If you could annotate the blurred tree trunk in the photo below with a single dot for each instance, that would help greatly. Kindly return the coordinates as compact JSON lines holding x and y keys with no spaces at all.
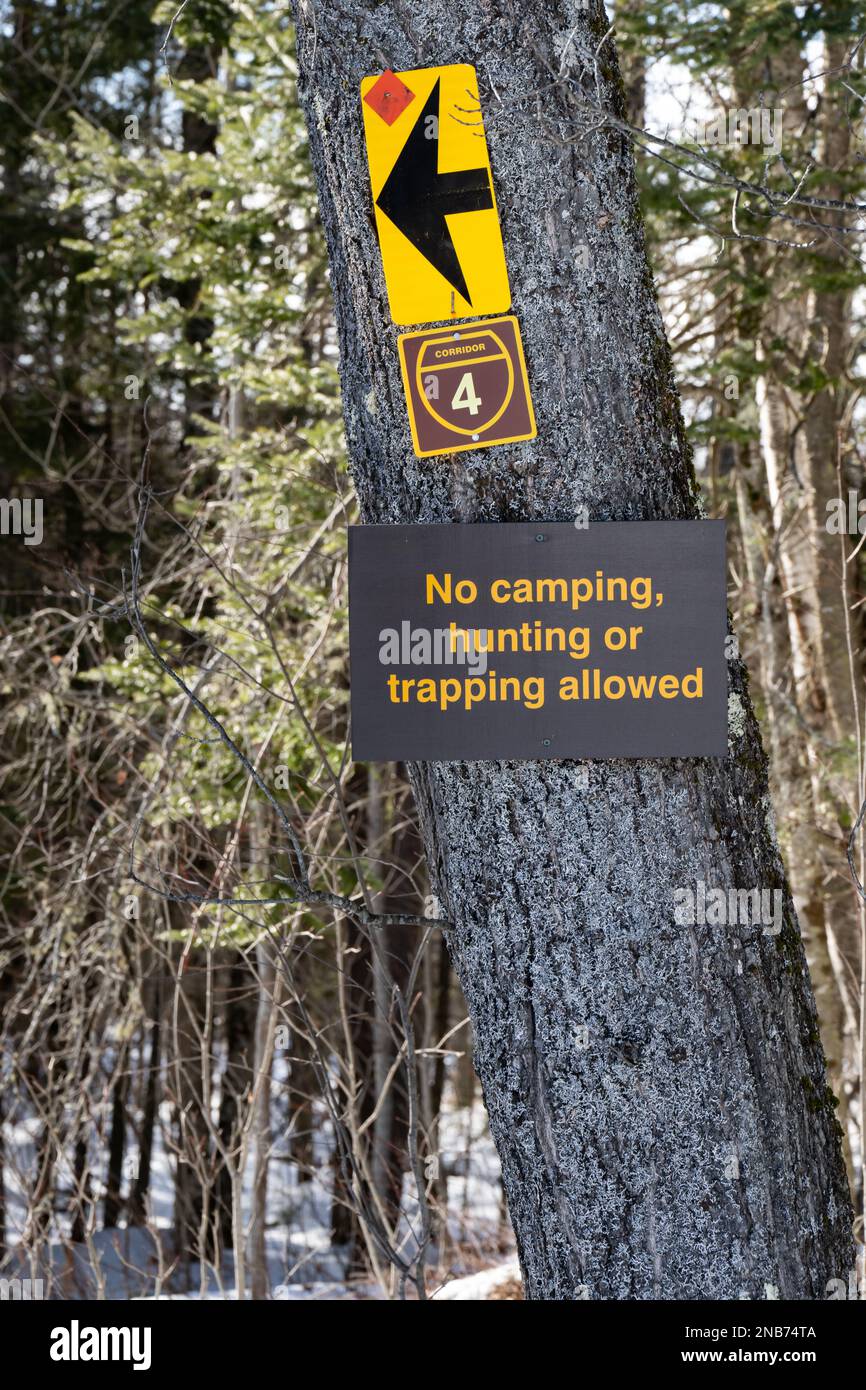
{"x":303,"y":1087}
{"x":41,"y":1092}
{"x":238,"y":1013}
{"x":400,"y":853}
{"x":803,"y":344}
{"x":199,"y":137}
{"x":356,"y":964}
{"x":689,"y":1151}
{"x":266,"y":1015}
{"x":438,"y":1002}
{"x":77,"y":1139}
{"x":137,"y":1206}
{"x":632,"y":61}
{"x":116,"y":1141}
{"x":12,"y":212}
{"x":190,"y":1085}
{"x":269,"y":990}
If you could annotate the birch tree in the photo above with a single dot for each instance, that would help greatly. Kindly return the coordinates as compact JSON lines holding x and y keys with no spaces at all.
{"x":657,"y":1092}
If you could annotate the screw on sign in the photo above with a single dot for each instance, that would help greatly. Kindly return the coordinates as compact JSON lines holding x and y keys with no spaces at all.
{"x":466,"y":388}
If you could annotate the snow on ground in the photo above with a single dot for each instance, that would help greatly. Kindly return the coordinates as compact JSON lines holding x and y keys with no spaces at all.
{"x":483,"y":1285}
{"x":137,"y":1263}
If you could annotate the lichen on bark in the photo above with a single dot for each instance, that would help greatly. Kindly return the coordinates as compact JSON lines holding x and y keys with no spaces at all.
{"x":679,"y":1153}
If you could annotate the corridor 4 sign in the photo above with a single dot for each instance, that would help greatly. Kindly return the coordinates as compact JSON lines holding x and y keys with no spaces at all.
{"x":466,"y":387}
{"x":433,"y":197}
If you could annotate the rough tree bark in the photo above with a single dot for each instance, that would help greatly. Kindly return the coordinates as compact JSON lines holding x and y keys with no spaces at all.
{"x":691,"y":1149}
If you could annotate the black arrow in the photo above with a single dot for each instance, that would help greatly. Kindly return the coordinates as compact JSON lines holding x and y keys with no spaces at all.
{"x":417,"y":198}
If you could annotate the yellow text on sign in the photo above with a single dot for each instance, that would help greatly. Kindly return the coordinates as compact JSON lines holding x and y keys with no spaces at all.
{"x":433,"y":195}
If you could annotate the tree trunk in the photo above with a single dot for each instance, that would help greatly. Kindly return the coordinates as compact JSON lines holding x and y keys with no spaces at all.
{"x":268,"y":994}
{"x":266,"y":1014}
{"x":398,"y":854}
{"x":689,"y":1150}
{"x":235,"y":1087}
{"x":806,"y":330}
{"x":137,"y":1208}
{"x":190,"y":1085}
{"x":117,"y":1142}
{"x":356,"y":966}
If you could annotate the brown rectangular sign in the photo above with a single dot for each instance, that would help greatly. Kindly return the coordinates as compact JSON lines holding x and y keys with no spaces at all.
{"x":466,"y":387}
{"x":538,"y":640}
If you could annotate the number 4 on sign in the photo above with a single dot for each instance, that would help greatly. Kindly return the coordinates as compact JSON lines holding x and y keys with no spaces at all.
{"x":466,"y":388}
{"x":464,"y":397}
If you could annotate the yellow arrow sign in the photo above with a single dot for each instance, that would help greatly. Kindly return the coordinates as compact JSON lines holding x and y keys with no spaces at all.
{"x":433,"y":195}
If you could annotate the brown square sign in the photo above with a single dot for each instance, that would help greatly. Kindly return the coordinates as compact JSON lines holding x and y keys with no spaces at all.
{"x":466,"y":387}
